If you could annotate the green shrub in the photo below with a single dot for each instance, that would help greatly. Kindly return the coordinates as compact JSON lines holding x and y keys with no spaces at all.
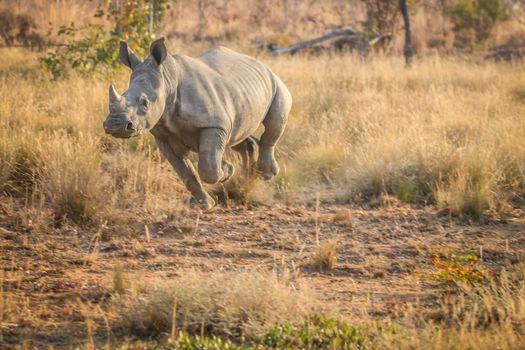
{"x":186,"y":341}
{"x":458,"y":268}
{"x":95,"y":48}
{"x":319,"y":332}
{"x":316,"y":333}
{"x":407,"y":190}
{"x":474,"y":19}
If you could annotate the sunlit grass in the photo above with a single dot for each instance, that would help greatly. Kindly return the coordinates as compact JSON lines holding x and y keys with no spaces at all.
{"x":365,"y":129}
{"x":444,"y":132}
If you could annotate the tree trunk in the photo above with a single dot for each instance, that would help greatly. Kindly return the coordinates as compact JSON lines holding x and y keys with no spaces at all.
{"x":408,"y":52}
{"x":118,"y":27}
{"x":151,"y":17}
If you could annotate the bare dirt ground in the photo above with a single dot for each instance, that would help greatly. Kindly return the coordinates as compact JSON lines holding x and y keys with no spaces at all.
{"x":57,"y":287}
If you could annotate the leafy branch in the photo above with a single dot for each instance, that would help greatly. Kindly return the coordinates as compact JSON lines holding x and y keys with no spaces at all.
{"x":94,"y":48}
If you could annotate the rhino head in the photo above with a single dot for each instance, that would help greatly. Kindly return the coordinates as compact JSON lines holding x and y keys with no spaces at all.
{"x":139,"y":108}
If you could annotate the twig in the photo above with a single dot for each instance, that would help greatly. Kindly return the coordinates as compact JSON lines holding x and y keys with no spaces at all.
{"x":173,"y":334}
{"x":317,"y":230}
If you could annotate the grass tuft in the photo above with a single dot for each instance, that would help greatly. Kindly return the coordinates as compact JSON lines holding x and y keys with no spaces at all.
{"x":69,"y":173}
{"x":466,"y":194}
{"x":325,"y":256}
{"x":234,"y":303}
{"x":342,"y":216}
{"x":120,"y":284}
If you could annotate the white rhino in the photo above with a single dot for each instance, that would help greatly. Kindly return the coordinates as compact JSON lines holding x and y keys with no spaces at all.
{"x":201,"y":104}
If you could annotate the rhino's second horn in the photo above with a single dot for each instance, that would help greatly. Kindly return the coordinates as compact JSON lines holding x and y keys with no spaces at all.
{"x":113,"y":94}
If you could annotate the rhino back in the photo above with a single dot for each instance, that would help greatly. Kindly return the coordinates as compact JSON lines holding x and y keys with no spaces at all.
{"x":222,"y":88}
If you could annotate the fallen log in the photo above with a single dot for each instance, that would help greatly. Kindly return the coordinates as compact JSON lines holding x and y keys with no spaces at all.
{"x":348,"y":31}
{"x":354,"y":38}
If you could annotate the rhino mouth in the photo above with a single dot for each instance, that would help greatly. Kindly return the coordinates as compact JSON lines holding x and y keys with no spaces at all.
{"x":122,"y":135}
{"x":120,"y":127}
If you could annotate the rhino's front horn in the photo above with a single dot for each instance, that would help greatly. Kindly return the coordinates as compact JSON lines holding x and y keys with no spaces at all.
{"x":113,"y":94}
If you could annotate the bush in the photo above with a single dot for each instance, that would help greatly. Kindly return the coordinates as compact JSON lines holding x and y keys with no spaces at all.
{"x":98,"y":47}
{"x":316,"y":333}
{"x":461,"y":268}
{"x":186,"y":341}
{"x":474,"y":19}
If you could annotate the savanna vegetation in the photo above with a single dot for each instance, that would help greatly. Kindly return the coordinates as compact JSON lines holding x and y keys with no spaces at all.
{"x":396,"y":222}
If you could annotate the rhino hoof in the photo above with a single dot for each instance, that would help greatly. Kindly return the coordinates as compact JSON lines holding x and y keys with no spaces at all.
{"x":204,"y":204}
{"x":268,"y":172}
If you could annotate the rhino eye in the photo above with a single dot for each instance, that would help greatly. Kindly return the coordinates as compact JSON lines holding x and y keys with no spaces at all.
{"x":144,"y":101}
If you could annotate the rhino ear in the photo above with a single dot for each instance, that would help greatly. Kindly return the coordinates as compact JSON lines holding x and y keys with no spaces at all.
{"x":158,"y":51}
{"x":127,"y":57}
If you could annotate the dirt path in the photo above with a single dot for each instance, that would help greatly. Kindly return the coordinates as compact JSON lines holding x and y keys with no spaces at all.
{"x":54,"y":283}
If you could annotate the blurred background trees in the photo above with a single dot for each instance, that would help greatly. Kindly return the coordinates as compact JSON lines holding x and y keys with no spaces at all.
{"x":84,"y":34}
{"x":474,"y":20}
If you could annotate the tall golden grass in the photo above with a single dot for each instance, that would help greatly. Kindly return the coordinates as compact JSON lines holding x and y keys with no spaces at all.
{"x":443,"y":132}
{"x":52,"y":151}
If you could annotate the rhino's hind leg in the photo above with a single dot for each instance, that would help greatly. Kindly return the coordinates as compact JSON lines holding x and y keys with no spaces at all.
{"x":248,"y":151}
{"x":228,"y":170}
{"x":274,"y":124}
{"x":212,"y":169}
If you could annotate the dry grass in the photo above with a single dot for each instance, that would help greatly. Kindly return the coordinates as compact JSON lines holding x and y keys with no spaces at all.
{"x":478,"y":317}
{"x":469,"y":316}
{"x":120,"y":283}
{"x":342,"y":216}
{"x":60,"y":157}
{"x":466,"y":193}
{"x":444,"y":132}
{"x":325,"y":256}
{"x":416,"y":134}
{"x":246,"y":187}
{"x":231,"y":303}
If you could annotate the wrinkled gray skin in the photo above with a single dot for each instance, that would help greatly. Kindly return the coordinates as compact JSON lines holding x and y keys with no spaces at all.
{"x":201,"y":104}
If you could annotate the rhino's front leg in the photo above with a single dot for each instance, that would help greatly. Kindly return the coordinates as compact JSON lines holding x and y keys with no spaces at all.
{"x":186,"y":172}
{"x":212,"y":168}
